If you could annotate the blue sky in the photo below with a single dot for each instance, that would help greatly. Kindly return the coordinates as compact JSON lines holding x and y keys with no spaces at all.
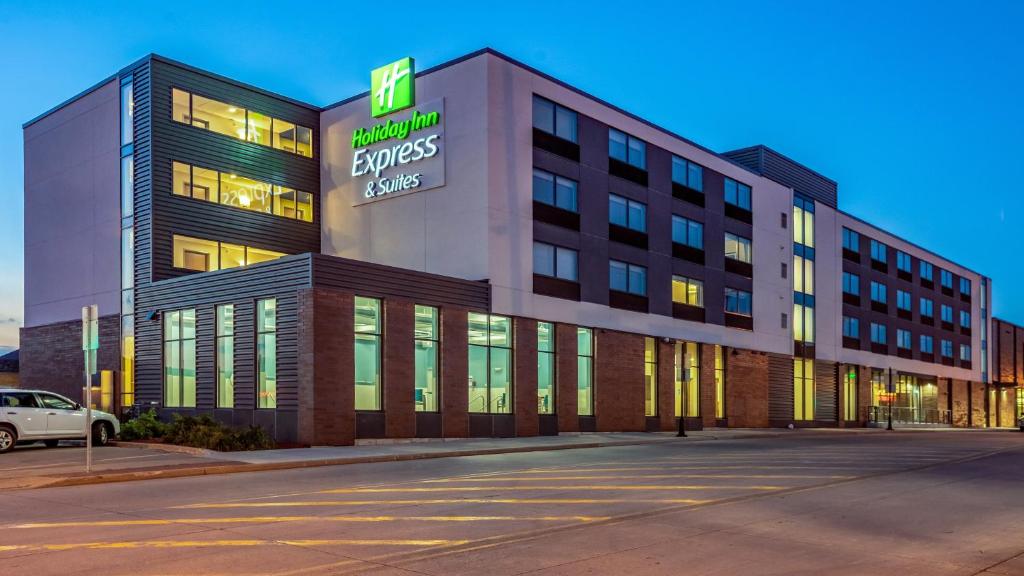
{"x":913,"y":107}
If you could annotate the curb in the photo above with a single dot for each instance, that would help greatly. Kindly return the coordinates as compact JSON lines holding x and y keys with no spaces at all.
{"x":235,"y":468}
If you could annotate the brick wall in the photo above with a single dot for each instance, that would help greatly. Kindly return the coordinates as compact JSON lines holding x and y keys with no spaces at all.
{"x":959,"y":414}
{"x":9,"y":380}
{"x":619,"y":382}
{"x":52,"y":359}
{"x":566,"y":370}
{"x":326,"y":379}
{"x":1007,"y":412}
{"x":399,"y":370}
{"x":525,"y":373}
{"x":978,"y":413}
{"x":746,"y":388}
{"x":454,"y":372}
{"x":666,"y":386}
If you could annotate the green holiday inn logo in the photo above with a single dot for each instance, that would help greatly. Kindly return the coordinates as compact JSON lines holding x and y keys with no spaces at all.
{"x":392,"y":87}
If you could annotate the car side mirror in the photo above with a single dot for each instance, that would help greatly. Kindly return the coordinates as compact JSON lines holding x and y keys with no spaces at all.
{"x":78,"y":406}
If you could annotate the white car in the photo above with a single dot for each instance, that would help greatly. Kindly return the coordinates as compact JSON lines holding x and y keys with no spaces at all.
{"x":37,"y":415}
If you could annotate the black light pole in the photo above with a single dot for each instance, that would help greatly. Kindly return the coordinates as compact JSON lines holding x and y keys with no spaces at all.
{"x":682,"y":422}
{"x":892,"y":394}
{"x":682,"y":427}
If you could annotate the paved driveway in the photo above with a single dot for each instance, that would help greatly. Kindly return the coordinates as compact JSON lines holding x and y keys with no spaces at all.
{"x":69,"y":458}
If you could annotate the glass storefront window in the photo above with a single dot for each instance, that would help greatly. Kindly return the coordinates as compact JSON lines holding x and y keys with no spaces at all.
{"x":585,"y":371}
{"x":803,"y":389}
{"x":226,"y":356}
{"x":719,"y":382}
{"x":179,"y":335}
{"x":427,"y":344}
{"x":650,"y":376}
{"x":367,"y":353}
{"x":266,"y":353}
{"x":490,"y":363}
{"x":545,"y":368}
{"x":127,"y":360}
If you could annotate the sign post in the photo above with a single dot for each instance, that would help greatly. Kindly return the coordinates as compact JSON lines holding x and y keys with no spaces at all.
{"x":90,"y":344}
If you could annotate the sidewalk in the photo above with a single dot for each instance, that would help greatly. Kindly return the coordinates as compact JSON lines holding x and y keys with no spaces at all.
{"x":127,"y":461}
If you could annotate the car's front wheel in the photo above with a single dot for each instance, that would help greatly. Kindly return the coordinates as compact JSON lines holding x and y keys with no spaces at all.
{"x":51,"y":443}
{"x":8,"y":438}
{"x":101,"y":434}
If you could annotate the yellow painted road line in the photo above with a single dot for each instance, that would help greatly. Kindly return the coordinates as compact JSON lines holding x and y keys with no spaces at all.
{"x":447,"y":501}
{"x":565,"y":488}
{"x":664,"y":468}
{"x":640,"y":477}
{"x":264,"y":519}
{"x":222,"y":544}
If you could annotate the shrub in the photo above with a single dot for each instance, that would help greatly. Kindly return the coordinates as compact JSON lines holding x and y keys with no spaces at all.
{"x":205,"y":432}
{"x":145,"y":426}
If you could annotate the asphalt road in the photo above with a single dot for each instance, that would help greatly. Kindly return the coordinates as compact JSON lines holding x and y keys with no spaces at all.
{"x":929,"y":503}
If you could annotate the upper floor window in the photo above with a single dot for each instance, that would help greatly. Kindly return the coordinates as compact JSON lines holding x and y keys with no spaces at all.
{"x":687,"y":291}
{"x":687,"y":232}
{"x":554,"y":119}
{"x":737,"y":301}
{"x":926,"y":271}
{"x":965,"y":353}
{"x":201,"y":255}
{"x":878,"y":292}
{"x":903,"y":261}
{"x":240,"y":123}
{"x":902,"y":299}
{"x":687,"y":173}
{"x":626,"y":148}
{"x":127,"y":111}
{"x":965,"y":319}
{"x":946,"y":278}
{"x":927,"y":344}
{"x":240,"y":192}
{"x":965,"y":286}
{"x":624,"y":277}
{"x":737,"y":194}
{"x":555,"y":261}
{"x":851,"y":327}
{"x":927,"y":307}
{"x":878,"y":334}
{"x":947,"y":348}
{"x":903,"y":338}
{"x":947,"y":313}
{"x":851,"y":240}
{"x":803,"y":221}
{"x":738,"y":248}
{"x":851,"y":284}
{"x":554,"y":190}
{"x":878,"y":252}
{"x":627,"y":213}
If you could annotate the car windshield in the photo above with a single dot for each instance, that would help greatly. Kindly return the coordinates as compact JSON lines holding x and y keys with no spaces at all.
{"x":56,"y":402}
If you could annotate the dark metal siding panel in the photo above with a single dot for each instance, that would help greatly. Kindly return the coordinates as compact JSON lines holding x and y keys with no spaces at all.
{"x":747,"y":157}
{"x":141,"y":156}
{"x":380,"y":281}
{"x":825,"y":391}
{"x":775,"y":166}
{"x":780,"y":387}
{"x":175,"y":141}
{"x":281,"y":279}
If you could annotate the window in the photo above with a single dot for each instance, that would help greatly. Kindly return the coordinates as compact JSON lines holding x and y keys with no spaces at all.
{"x":946,"y":278}
{"x":206,"y":255}
{"x":719,"y":382}
{"x":803,"y":323}
{"x":965,"y":353}
{"x":851,"y":327}
{"x":850,"y":394}
{"x":947,"y":348}
{"x":367,"y":353}
{"x":903,"y":300}
{"x":737,"y":301}
{"x":927,"y":344}
{"x":554,"y":119}
{"x":947,"y":313}
{"x":627,"y":213}
{"x":585,"y":371}
{"x":903,"y":261}
{"x":625,"y":148}
{"x":738,"y":248}
{"x":553,"y":190}
{"x":226,"y":356}
{"x":630,"y":278}
{"x":927,"y":308}
{"x":903,"y":338}
{"x":803,"y":389}
{"x":127,"y":186}
{"x":127,"y":267}
{"x":18,"y":400}
{"x":545,"y":368}
{"x":851,"y":284}
{"x":266,"y":353}
{"x":878,"y":252}
{"x":650,"y":376}
{"x":687,"y":379}
{"x":687,"y":232}
{"x":687,"y":173}
{"x":851,"y":240}
{"x":555,"y":261}
{"x":687,"y":291}
{"x":490,"y":364}
{"x":237,"y":122}
{"x":737,"y":194}
{"x":965,"y":319}
{"x":54,"y":402}
{"x":878,"y":292}
{"x":427,"y":336}
{"x":965,"y":286}
{"x":926,"y":271}
{"x":127,"y":111}
{"x":803,"y":275}
{"x":803,"y":221}
{"x":127,"y":360}
{"x":180,"y":358}
{"x":878,"y":334}
{"x":240,"y":192}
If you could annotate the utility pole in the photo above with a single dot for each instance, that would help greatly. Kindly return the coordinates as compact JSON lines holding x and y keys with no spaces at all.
{"x":90,"y":344}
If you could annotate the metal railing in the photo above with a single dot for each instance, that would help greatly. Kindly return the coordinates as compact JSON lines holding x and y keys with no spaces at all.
{"x":907,"y":415}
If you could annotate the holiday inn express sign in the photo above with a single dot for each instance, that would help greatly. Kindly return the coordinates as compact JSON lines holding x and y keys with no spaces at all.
{"x":404,"y":152}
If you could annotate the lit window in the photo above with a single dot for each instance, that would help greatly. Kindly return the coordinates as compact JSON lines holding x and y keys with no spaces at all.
{"x":738,"y":248}
{"x":266,"y":353}
{"x":625,"y":148}
{"x":584,"y":371}
{"x":367,"y":353}
{"x":737,"y":194}
{"x":687,"y":174}
{"x":180,"y":358}
{"x":240,"y":192}
{"x":226,"y":356}
{"x":687,"y":379}
{"x":687,"y":291}
{"x":803,"y":389}
{"x":427,"y":369}
{"x":803,"y":221}
{"x":200,"y":255}
{"x":803,"y":275}
{"x":554,"y":119}
{"x":650,"y":376}
{"x":545,"y":368}
{"x":624,"y":277}
{"x":490,"y":364}
{"x":687,"y":232}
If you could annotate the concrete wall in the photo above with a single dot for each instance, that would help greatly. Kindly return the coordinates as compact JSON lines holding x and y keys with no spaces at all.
{"x":72,"y":210}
